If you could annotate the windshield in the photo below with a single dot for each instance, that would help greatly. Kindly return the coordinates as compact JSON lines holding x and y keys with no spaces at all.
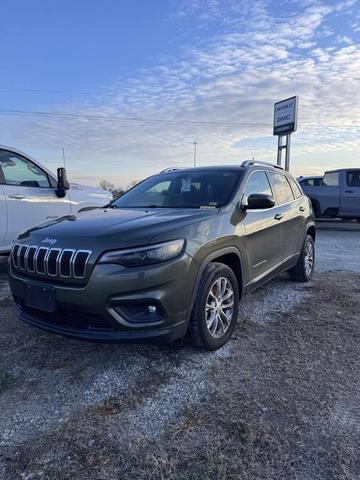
{"x":206,"y":189}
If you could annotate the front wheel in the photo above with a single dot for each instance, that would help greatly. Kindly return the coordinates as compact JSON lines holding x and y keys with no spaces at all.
{"x":216,"y":307}
{"x":304,"y":269}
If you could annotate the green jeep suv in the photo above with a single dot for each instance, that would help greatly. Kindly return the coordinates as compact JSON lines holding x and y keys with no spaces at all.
{"x":172,"y":256}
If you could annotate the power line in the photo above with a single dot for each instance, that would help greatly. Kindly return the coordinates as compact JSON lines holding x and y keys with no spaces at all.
{"x":156,"y":120}
{"x":39,"y":90}
{"x":126,"y":119}
{"x":108,"y":92}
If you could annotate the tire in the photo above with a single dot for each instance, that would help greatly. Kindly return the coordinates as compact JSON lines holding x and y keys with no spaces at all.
{"x":211,"y":327}
{"x":304,"y":269}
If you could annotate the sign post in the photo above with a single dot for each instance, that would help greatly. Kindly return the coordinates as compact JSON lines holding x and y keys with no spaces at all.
{"x":285,"y":123}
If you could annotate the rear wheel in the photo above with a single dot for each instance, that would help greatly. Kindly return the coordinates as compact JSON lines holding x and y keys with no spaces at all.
{"x":304,"y":269}
{"x":216,"y":307}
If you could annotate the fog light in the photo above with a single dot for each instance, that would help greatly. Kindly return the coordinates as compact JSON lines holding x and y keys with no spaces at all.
{"x":140,"y":313}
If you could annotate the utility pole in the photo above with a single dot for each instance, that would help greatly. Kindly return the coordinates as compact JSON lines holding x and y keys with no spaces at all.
{"x":195,"y":144}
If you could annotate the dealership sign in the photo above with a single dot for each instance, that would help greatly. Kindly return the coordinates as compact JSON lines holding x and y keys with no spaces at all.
{"x":285,"y":116}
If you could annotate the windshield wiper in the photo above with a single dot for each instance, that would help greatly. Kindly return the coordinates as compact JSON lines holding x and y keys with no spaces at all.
{"x":143,"y":206}
{"x":134,"y":206}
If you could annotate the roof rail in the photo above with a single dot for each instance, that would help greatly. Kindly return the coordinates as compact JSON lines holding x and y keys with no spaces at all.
{"x":258,"y":162}
{"x":170,"y":169}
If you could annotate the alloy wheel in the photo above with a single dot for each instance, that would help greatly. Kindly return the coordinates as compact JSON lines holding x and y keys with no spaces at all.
{"x":219,"y":307}
{"x":309,"y":258}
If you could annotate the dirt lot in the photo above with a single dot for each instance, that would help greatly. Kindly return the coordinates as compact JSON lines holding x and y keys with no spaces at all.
{"x":280,"y":401}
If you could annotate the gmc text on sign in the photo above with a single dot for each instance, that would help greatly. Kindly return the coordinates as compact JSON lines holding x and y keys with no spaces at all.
{"x":285,"y":116}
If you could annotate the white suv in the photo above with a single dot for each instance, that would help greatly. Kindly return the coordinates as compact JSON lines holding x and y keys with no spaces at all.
{"x":30,"y":194}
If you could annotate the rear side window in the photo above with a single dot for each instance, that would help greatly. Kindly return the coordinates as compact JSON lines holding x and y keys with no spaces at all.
{"x":257,"y":183}
{"x":331,"y":179}
{"x":295,"y":188}
{"x":281,"y":187}
{"x":353,"y":178}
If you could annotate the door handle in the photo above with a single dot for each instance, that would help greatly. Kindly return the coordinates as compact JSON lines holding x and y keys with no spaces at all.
{"x":349,"y":191}
{"x":302,"y":208}
{"x":278,"y":216}
{"x":17,"y":197}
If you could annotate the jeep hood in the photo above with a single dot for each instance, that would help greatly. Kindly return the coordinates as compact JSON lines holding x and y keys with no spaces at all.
{"x":109,"y":228}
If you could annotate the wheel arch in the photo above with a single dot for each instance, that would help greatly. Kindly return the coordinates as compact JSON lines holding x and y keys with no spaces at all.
{"x":311,"y":230}
{"x":232,"y":260}
{"x":230,"y":256}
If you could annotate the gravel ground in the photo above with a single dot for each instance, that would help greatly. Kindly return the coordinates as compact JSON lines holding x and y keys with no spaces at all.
{"x":281,"y":400}
{"x":4,"y":287}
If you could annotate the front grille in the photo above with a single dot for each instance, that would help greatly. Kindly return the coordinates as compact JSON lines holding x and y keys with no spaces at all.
{"x":51,"y":262}
{"x":39,"y":262}
{"x":31,"y":259}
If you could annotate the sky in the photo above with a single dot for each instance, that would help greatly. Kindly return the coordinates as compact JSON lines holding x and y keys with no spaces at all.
{"x":126,"y":87}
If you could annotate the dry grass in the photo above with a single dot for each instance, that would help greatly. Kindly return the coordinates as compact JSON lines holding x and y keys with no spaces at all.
{"x":283,"y":405}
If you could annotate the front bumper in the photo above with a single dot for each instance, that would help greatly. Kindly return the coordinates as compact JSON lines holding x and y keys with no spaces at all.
{"x":94,"y":312}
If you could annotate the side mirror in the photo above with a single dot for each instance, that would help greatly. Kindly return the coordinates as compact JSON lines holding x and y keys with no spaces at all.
{"x":258,"y":201}
{"x":62,"y":182}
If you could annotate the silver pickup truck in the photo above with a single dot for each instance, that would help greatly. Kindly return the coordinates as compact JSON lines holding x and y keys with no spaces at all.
{"x":336,"y":195}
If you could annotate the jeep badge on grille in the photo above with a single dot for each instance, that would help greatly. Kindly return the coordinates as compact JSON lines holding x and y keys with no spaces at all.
{"x":49,"y":241}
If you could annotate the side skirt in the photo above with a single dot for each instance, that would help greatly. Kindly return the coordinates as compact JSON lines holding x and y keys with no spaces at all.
{"x":282,"y":267}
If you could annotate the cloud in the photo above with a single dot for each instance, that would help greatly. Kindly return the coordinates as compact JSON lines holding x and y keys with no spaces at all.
{"x":220,"y":92}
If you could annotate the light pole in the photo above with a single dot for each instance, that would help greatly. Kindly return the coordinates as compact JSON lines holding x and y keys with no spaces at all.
{"x":195,"y":144}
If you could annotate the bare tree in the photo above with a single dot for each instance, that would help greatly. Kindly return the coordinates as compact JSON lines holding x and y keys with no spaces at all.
{"x":106,"y":185}
{"x":116,"y":191}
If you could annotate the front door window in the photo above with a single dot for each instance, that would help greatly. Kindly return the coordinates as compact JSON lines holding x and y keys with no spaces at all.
{"x":18,"y":171}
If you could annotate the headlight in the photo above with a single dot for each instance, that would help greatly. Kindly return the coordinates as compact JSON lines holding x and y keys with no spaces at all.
{"x":145,"y":255}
